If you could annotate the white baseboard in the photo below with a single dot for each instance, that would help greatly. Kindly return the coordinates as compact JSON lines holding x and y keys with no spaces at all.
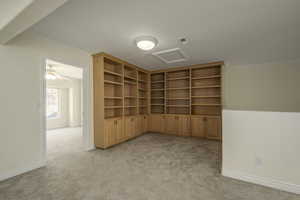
{"x":18,"y":171}
{"x":90,"y":148}
{"x":288,"y":187}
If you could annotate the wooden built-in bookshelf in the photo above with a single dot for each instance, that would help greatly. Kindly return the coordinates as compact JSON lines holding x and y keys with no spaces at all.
{"x":143,"y":93}
{"x":157,"y":93}
{"x":177,"y":92}
{"x":130,"y":90}
{"x":184,"y":101}
{"x":125,"y":87}
{"x":206,"y":90}
{"x":113,"y":88}
{"x":194,"y":90}
{"x":121,"y":100}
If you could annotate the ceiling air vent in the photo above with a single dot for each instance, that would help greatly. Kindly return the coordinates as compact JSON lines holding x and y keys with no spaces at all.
{"x":171,"y":55}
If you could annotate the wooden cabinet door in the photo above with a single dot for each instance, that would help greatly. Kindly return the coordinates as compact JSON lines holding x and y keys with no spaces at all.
{"x":184,"y":126}
{"x":127,"y":127}
{"x":162,"y":127}
{"x":144,"y":124}
{"x":131,"y":127}
{"x":109,"y":132}
{"x":171,"y":124}
{"x":198,"y":126}
{"x":151,"y":123}
{"x":108,"y":128}
{"x":140,"y":124}
{"x":119,"y":130}
{"x":213,"y":127}
{"x":156,"y":123}
{"x":135,"y":126}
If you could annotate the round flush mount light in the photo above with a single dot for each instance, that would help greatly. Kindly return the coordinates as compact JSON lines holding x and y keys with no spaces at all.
{"x":146,"y":43}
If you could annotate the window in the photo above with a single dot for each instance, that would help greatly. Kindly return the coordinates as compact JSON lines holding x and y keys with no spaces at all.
{"x":53,"y":101}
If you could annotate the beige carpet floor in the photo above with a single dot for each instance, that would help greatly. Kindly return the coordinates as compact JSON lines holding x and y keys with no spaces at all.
{"x":150,"y":167}
{"x":61,"y":142}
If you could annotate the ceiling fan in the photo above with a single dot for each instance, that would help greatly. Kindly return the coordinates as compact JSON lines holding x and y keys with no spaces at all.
{"x":52,"y":74}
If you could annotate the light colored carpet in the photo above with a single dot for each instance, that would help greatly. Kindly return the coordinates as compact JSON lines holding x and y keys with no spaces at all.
{"x":150,"y":167}
{"x":61,"y":142}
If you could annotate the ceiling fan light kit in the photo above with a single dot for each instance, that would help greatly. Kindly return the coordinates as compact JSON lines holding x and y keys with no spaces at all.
{"x":52,"y":74}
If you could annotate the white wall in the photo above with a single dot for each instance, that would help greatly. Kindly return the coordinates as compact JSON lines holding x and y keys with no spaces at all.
{"x":262,"y":147}
{"x":22,"y":61}
{"x":71,"y":108}
{"x":261,"y":124}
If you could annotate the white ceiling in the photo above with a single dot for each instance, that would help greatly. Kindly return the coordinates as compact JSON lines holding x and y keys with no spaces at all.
{"x":10,"y":9}
{"x":236,"y":31}
{"x":16,"y":16}
{"x":66,"y":70}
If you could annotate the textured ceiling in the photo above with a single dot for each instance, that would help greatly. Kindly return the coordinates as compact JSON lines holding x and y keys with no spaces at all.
{"x":236,"y":31}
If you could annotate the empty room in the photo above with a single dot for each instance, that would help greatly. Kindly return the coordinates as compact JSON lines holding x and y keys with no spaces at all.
{"x":150,"y":100}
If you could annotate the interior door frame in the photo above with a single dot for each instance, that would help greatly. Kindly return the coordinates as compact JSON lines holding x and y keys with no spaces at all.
{"x":87,"y":133}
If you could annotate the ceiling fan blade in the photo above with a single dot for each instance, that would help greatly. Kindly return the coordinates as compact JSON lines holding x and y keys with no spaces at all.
{"x":59,"y":76}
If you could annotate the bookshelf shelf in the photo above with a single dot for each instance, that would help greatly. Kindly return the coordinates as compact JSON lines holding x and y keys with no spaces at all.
{"x":153,"y":82}
{"x":112,"y":82}
{"x":112,"y":107}
{"x":112,"y":73}
{"x":183,"y":88}
{"x":208,"y":86}
{"x":216,"y":96}
{"x":179,"y":78}
{"x":206,"y":77}
{"x":130,"y":77}
{"x":183,"y":106}
{"x":206,"y":104}
{"x":113,"y":97}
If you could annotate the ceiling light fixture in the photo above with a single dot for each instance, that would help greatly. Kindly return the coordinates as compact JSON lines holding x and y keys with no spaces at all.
{"x":146,"y":43}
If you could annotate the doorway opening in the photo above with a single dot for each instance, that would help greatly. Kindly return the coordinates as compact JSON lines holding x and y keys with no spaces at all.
{"x":64,"y":109}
